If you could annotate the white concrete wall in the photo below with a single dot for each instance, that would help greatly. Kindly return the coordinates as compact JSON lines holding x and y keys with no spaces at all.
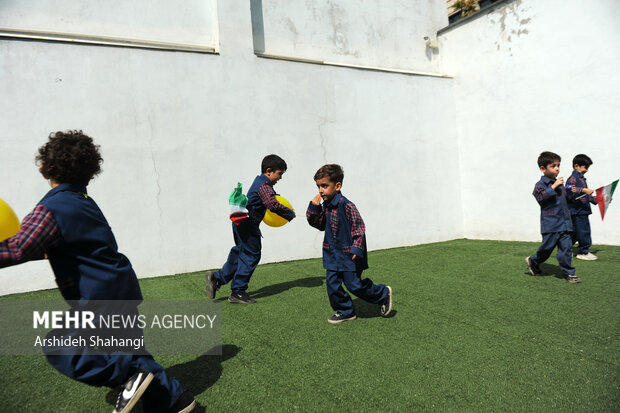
{"x":359,"y":32}
{"x":532,"y":76}
{"x":178,"y":130}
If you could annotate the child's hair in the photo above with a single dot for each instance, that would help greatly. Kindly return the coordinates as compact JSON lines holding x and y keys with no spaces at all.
{"x":546,"y":158}
{"x":69,"y":157}
{"x":332,"y":171}
{"x":582,"y":160}
{"x":274,"y":162}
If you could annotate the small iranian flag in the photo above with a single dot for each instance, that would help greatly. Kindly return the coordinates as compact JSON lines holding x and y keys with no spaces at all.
{"x":603,"y":197}
{"x":238,"y":203}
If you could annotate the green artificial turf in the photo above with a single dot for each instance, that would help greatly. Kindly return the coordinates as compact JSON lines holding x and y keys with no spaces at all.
{"x":471,"y":332}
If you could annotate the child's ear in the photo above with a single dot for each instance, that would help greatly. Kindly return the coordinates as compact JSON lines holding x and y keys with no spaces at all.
{"x":542,"y":169}
{"x":269,"y":170}
{"x":338,"y":186}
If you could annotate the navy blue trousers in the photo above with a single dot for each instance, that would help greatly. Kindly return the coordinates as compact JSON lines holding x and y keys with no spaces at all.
{"x":242,"y":258}
{"x":96,"y":368}
{"x":365,"y":289}
{"x":581,"y":232}
{"x":563,"y":240}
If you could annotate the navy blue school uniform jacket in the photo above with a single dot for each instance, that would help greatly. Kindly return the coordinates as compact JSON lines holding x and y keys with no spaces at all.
{"x":86,"y":261}
{"x":345,"y":234}
{"x":579,"y":206}
{"x":554,"y":213}
{"x":261,"y":196}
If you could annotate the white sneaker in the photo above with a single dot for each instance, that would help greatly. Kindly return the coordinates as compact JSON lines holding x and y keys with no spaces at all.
{"x":587,"y":257}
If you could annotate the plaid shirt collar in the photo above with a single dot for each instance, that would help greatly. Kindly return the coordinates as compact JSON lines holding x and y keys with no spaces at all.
{"x":335,"y":200}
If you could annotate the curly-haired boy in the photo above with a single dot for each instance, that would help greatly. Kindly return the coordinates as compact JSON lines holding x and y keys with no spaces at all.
{"x":69,"y":227}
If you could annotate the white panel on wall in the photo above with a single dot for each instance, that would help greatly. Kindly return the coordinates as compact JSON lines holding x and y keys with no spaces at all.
{"x":181,"y":22}
{"x":375,"y":33}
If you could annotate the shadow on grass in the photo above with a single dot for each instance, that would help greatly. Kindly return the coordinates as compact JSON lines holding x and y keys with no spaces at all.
{"x":274,"y":289}
{"x":364,"y":309}
{"x":548,"y":270}
{"x":196,"y":375}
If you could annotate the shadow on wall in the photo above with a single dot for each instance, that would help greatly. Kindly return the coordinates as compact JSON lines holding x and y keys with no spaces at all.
{"x":258,"y":27}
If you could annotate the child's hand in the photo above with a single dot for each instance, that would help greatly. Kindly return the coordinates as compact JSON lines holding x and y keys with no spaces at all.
{"x":317,"y":199}
{"x":558,"y":181}
{"x":588,"y":191}
{"x":354,"y":257}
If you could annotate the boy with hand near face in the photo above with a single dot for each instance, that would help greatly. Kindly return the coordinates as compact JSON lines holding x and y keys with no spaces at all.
{"x":555,"y":219}
{"x":245,"y":255}
{"x":579,"y":200}
{"x":344,"y":247}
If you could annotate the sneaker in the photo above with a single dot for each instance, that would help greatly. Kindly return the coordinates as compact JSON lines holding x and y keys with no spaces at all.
{"x":533,"y":269}
{"x":587,"y":257}
{"x":573,"y":279}
{"x":339,"y":318}
{"x":241,"y":298}
{"x":386,"y":307}
{"x":184,"y":404}
{"x":212,"y":284}
{"x":132,"y":390}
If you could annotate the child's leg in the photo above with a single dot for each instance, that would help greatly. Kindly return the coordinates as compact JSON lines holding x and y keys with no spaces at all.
{"x":565,"y":254}
{"x":365,"y":288}
{"x":581,"y":231}
{"x":97,"y":368}
{"x":249,"y":255}
{"x":229,"y":269}
{"x":338,"y":297}
{"x":549,"y":242}
{"x":163,"y":390}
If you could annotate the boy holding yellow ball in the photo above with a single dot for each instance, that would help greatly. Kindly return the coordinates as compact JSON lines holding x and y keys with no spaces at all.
{"x":245,"y":255}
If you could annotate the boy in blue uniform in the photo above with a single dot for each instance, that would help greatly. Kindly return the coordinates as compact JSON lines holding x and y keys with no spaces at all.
{"x":579,"y":200}
{"x":245,"y":255}
{"x":555,"y":220}
{"x":344,"y":247}
{"x":69,"y":227}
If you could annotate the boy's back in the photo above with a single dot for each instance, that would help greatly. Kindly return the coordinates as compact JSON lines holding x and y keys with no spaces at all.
{"x":86,"y":260}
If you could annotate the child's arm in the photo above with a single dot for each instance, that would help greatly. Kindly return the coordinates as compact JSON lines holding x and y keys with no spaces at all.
{"x":268,"y":197}
{"x":542,"y":192}
{"x":315,"y":214}
{"x":358,"y":229}
{"x":578,"y":191}
{"x":39,"y":232}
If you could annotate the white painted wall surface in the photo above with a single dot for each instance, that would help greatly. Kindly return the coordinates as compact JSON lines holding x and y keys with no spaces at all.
{"x":178,"y":130}
{"x":528,"y":77}
{"x":189,"y":22}
{"x":385,"y":34}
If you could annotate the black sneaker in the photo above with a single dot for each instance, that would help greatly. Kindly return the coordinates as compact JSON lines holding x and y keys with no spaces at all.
{"x":573,"y":279}
{"x":533,"y":269}
{"x":386,"y":307}
{"x":212,"y":284}
{"x":339,"y":318}
{"x":241,"y":298}
{"x":186,"y":403}
{"x":132,"y":390}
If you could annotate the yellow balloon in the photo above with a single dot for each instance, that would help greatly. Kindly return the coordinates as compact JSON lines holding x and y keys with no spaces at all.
{"x":274,"y":220}
{"x":9,"y":224}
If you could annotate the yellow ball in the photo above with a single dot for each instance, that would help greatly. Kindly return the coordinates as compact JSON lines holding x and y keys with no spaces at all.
{"x":9,"y":224}
{"x":274,"y":220}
